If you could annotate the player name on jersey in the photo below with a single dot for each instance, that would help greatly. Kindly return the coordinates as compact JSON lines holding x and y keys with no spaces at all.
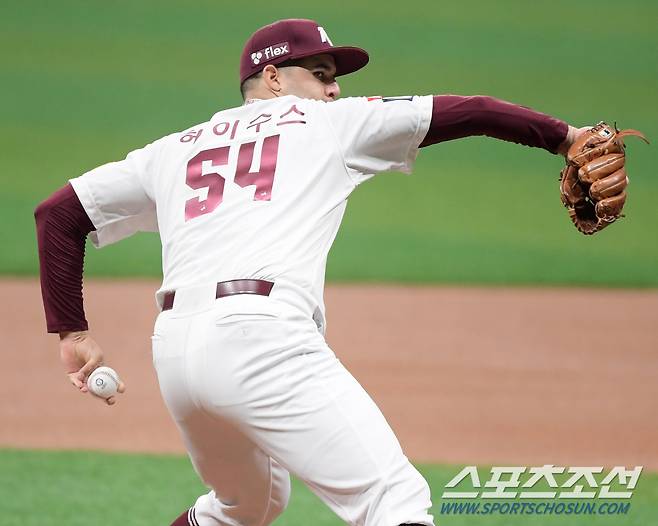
{"x":222,"y":128}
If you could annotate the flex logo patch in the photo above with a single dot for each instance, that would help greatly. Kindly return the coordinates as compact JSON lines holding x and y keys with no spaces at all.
{"x":270,"y":52}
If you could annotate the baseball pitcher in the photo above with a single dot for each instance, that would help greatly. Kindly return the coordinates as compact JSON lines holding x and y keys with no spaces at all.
{"x":247,"y":205}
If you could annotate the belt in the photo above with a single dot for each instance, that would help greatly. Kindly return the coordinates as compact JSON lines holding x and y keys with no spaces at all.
{"x":229,"y":288}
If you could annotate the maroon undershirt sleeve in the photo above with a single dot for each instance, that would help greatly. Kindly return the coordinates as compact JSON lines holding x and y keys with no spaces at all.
{"x":454,"y":117}
{"x":62,"y":227}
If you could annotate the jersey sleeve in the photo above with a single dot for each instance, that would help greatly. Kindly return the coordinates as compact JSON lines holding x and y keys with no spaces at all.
{"x":379,"y":134}
{"x":117,"y":197}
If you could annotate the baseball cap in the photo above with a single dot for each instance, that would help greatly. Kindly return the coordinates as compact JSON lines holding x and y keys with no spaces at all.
{"x":295,"y":38}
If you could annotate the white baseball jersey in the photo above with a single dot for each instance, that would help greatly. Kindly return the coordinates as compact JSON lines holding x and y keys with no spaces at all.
{"x":258,"y":191}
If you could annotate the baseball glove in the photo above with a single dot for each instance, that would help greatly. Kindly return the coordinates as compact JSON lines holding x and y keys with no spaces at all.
{"x":593,"y":184}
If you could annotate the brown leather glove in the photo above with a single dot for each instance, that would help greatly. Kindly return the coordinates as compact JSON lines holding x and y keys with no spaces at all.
{"x":593,"y":184}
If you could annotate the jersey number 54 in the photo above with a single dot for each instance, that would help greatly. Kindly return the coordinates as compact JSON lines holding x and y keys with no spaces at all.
{"x":214,"y":181}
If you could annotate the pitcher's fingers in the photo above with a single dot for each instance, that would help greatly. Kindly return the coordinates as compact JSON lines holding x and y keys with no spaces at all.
{"x":75,"y":380}
{"x":121,"y":388}
{"x":110,"y":401}
{"x":87,"y":368}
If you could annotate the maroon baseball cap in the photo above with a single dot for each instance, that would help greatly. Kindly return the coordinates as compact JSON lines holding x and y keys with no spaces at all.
{"x":292,"y":39}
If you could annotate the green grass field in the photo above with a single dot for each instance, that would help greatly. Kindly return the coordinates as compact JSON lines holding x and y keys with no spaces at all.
{"x":86,"y":82}
{"x":39,"y":488}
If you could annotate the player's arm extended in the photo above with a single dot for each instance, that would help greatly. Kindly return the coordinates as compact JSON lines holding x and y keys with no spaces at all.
{"x":62,"y":227}
{"x":454,"y":117}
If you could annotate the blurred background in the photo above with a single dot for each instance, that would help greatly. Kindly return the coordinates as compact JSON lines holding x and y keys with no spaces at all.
{"x":86,"y":82}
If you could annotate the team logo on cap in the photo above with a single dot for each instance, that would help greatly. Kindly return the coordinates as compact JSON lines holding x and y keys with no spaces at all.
{"x":324,"y":37}
{"x":270,"y":52}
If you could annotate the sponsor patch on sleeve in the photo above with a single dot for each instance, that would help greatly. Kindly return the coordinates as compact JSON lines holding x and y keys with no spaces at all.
{"x":393,"y":99}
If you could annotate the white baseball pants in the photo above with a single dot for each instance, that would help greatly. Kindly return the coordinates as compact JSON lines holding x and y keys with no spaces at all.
{"x":256,"y":393}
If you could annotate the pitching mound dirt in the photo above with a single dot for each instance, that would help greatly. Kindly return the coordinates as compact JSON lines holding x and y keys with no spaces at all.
{"x":464,"y":375}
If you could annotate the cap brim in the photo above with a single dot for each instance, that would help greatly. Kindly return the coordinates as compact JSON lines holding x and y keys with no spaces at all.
{"x":348,"y":59}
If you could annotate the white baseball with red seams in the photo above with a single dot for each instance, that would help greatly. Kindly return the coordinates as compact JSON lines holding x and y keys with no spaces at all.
{"x":103,"y":382}
{"x":258,"y":192}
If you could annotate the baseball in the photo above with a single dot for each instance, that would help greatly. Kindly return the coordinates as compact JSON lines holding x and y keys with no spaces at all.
{"x":103,"y":382}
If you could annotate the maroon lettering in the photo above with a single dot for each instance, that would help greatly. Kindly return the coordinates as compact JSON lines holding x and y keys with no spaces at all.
{"x":294,"y":110}
{"x":221,"y":128}
{"x":191,"y":136}
{"x":235,"y":128}
{"x":213,"y":181}
{"x":257,"y":122}
{"x":264,"y":177}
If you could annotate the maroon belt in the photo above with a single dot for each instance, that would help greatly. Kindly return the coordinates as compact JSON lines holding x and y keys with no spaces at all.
{"x":229,"y":288}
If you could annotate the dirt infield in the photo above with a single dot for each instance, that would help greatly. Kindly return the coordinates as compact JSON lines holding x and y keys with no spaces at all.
{"x":464,"y":375}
